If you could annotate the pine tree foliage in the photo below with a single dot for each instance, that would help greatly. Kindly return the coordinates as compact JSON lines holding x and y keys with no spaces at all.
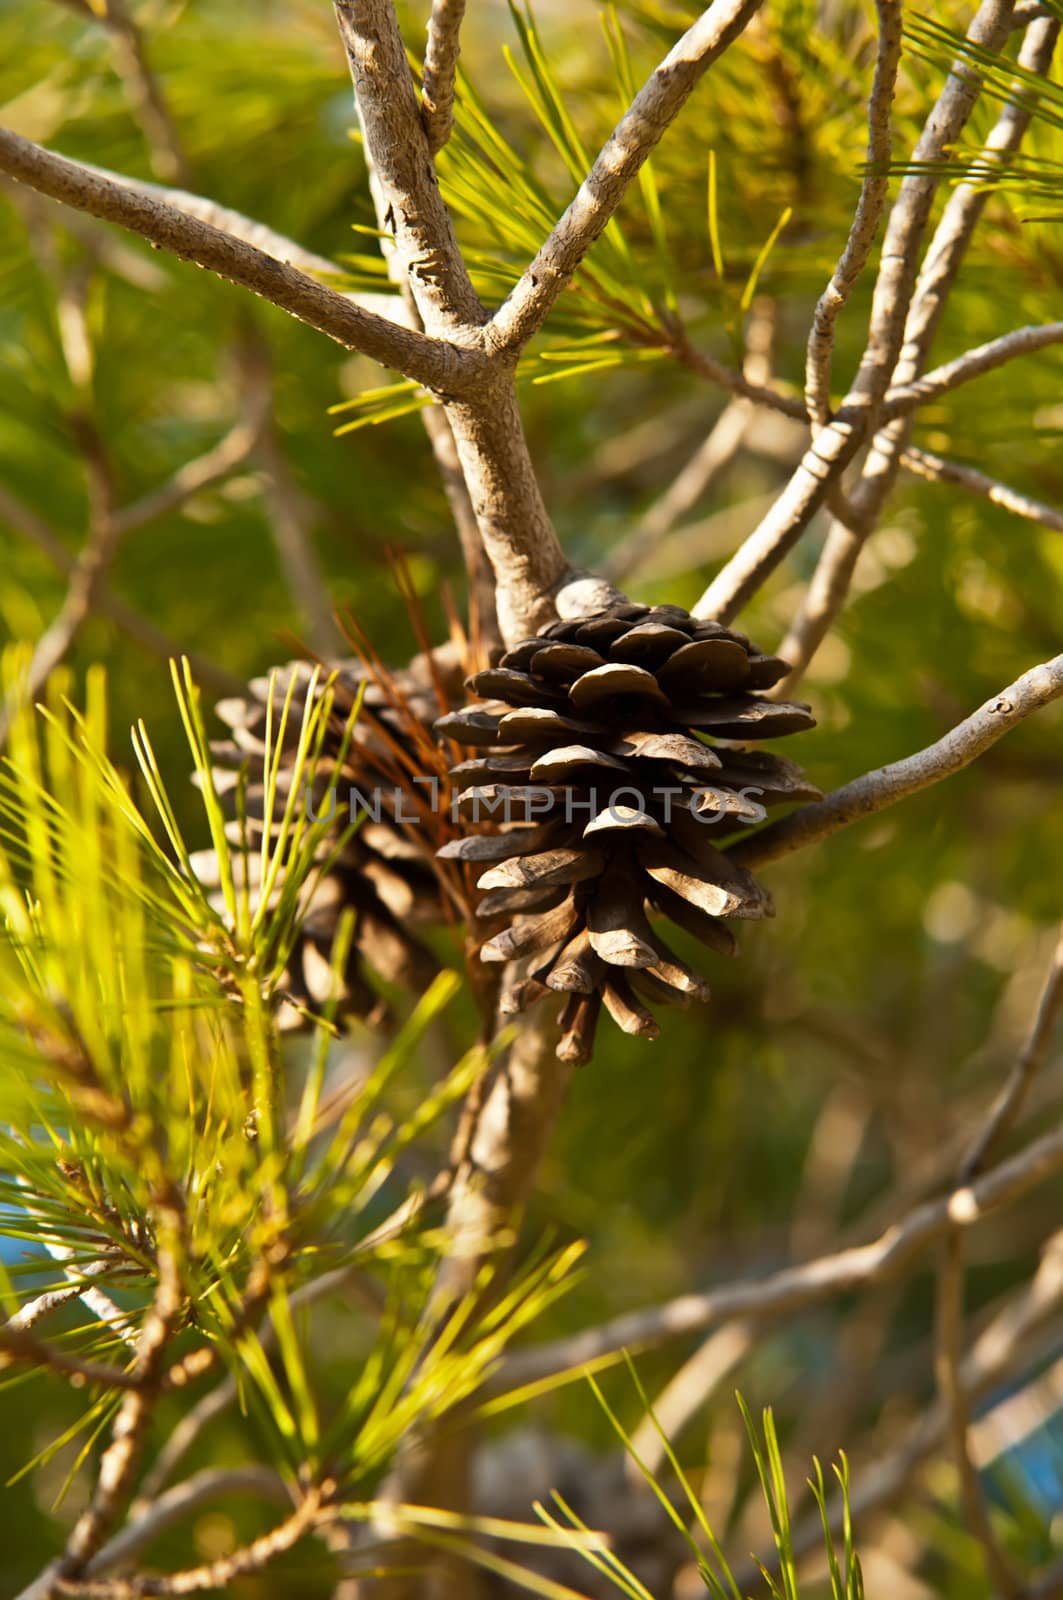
{"x":275,"y":1311}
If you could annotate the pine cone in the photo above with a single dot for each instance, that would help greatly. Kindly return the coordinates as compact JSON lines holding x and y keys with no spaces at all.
{"x":386,"y":870}
{"x":596,"y":765}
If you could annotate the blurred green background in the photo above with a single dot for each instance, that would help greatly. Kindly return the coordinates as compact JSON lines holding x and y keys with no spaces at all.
{"x":859,"y":1034}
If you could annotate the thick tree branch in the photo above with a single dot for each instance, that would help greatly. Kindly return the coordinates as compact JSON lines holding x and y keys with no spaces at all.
{"x":518,"y":536}
{"x":440,"y":71}
{"x":483,"y":616}
{"x":888,"y":785}
{"x":652,"y":111}
{"x":250,"y":231}
{"x":437,"y":364}
{"x":426,"y":251}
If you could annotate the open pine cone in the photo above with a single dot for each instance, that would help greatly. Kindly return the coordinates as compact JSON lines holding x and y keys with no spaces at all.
{"x":609,"y":800}
{"x":385,"y":871}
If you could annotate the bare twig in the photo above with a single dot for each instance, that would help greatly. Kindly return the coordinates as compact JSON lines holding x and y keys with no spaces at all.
{"x":141,"y":85}
{"x":722,"y":443}
{"x":734,"y":382}
{"x":145,"y":94}
{"x":848,"y":533}
{"x":834,"y":446}
{"x":119,"y":1459}
{"x":216,"y":464}
{"x":954,"y":1401}
{"x":140,"y":628}
{"x":440,"y":71}
{"x":869,"y":209}
{"x":1009,"y":1102}
{"x":20,"y":1345}
{"x":204,"y":1488}
{"x":437,"y":363}
{"x":218,"y":1574}
{"x":972,"y":364}
{"x":991,"y":1358}
{"x":927,"y":464}
{"x":888,"y":785}
{"x":652,"y":111}
{"x":89,"y":570}
{"x":950,"y":1291}
{"x":290,"y":512}
{"x":794,"y":1288}
{"x":180,"y":1440}
{"x":915,"y":459}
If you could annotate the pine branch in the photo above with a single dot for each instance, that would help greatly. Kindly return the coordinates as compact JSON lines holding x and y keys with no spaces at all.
{"x":792,"y":1289}
{"x":651,"y":113}
{"x":835,"y":446}
{"x":205,"y":1488}
{"x":863,"y":797}
{"x":952,"y":238}
{"x":927,"y":464}
{"x":1012,"y":1097}
{"x":820,"y":352}
{"x":972,"y":364}
{"x":517,"y":534}
{"x":119,"y":1460}
{"x":991,"y":1360}
{"x":20,"y":1345}
{"x":219,"y":1574}
{"x":720,"y":446}
{"x":436,"y":363}
{"x":425,"y":250}
{"x":440,"y":71}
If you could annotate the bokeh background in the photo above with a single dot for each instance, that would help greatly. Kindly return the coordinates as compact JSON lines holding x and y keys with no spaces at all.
{"x":847,"y":1054}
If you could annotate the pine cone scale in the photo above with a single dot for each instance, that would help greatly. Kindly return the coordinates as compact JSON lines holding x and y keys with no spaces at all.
{"x":602,"y":727}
